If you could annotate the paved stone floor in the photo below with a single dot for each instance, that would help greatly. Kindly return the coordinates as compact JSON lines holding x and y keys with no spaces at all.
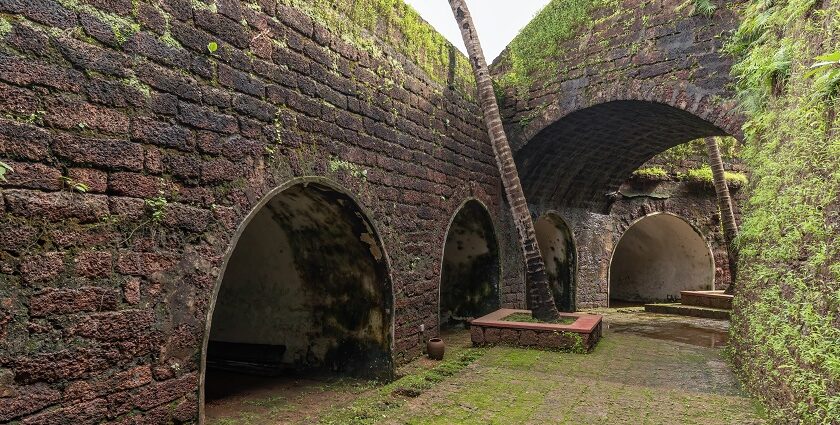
{"x":648,"y":369}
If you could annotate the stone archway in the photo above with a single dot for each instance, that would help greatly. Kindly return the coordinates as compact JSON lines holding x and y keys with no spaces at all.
{"x":657,"y":257}
{"x":581,"y":159}
{"x":559,"y":252}
{"x":283,"y":303}
{"x":470,"y":271}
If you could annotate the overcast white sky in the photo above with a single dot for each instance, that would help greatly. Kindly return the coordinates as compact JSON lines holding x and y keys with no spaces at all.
{"x":497,"y":21}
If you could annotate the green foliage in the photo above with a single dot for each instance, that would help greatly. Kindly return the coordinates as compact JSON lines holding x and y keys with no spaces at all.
{"x":534,"y":50}
{"x":577,"y":346}
{"x":73,"y":185}
{"x":705,"y":8}
{"x":704,"y":175}
{"x":4,"y":169}
{"x":212,"y":46}
{"x":157,"y":206}
{"x":651,"y":173}
{"x":767,"y":58}
{"x":784,"y":327}
{"x":359,"y":21}
{"x":373,"y":408}
{"x":674,"y":158}
{"x":826,"y":74}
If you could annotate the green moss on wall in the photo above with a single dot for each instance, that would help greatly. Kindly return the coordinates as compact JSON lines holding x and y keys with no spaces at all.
{"x":400,"y":26}
{"x":689,"y":162}
{"x":5,"y":28}
{"x":729,"y":151}
{"x":651,"y":173}
{"x":785,"y":328}
{"x":704,"y":175}
{"x":534,"y":51}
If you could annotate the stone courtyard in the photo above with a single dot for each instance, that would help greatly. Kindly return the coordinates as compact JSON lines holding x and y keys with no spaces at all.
{"x":264,"y":211}
{"x":649,"y":368}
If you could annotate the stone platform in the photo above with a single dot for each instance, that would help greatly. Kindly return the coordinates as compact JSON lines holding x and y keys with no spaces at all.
{"x":706,"y":304}
{"x":711,"y":299}
{"x":688,"y":310}
{"x":582,"y":335}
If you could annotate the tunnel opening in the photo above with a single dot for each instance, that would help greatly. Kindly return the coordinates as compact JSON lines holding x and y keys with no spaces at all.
{"x":657,"y":257}
{"x":305,"y":293}
{"x":581,"y":159}
{"x":558,"y":250}
{"x":470,"y":271}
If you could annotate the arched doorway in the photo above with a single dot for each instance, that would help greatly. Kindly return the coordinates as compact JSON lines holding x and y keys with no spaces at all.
{"x":469,"y":283}
{"x":657,"y":257}
{"x":558,"y":249}
{"x":305,"y":291}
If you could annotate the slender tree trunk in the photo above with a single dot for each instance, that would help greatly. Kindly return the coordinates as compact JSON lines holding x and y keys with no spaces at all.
{"x":730,"y":228}
{"x":540,"y":297}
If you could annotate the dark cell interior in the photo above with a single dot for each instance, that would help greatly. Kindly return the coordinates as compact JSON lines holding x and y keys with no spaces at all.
{"x":306,"y":291}
{"x":470,"y":279}
{"x":557,"y":247}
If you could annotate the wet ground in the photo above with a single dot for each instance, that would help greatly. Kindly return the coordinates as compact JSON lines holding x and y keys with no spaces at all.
{"x":648,"y":369}
{"x":688,"y":330}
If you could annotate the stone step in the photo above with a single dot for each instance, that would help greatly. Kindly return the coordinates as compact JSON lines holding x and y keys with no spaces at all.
{"x":688,"y":310}
{"x":712,"y":299}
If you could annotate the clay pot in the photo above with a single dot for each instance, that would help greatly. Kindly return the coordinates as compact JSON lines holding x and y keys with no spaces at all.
{"x":435,"y":348}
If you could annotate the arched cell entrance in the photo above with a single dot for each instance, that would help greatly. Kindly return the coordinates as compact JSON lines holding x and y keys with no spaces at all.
{"x":469,"y":283}
{"x":305,"y":291}
{"x":657,"y":257}
{"x":558,"y":249}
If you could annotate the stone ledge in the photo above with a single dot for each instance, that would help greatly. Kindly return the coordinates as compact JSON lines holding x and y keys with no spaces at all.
{"x":582,"y":335}
{"x":688,"y":310}
{"x":711,"y":299}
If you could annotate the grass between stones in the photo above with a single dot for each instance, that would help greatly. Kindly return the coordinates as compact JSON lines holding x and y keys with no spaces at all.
{"x":376,"y":406}
{"x":627,"y":378}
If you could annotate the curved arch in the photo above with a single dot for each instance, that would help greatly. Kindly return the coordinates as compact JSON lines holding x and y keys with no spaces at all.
{"x":373,"y":239}
{"x":679,"y":95}
{"x":656,"y":257}
{"x":559,"y":249}
{"x":482,"y":246}
{"x":577,"y":158}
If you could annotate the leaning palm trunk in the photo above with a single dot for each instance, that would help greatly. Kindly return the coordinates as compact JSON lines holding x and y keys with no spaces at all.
{"x":540,"y":298}
{"x":730,"y":228}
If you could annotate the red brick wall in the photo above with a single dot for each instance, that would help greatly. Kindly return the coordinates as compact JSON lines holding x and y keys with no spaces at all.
{"x":103,"y":310}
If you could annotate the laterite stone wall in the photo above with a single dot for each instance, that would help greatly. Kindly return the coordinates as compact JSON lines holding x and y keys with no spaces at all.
{"x":630,"y":80}
{"x":142,"y":133}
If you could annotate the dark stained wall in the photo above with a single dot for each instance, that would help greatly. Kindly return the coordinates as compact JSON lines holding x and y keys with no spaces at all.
{"x":137,"y":154}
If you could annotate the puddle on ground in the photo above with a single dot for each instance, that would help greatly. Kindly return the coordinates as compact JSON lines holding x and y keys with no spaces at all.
{"x":673,"y":331}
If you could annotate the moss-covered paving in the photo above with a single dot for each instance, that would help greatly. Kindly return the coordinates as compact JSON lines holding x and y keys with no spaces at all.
{"x":634,"y":376}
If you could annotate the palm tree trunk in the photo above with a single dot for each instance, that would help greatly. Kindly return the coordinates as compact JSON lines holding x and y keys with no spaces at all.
{"x":540,"y":298}
{"x":730,"y":228}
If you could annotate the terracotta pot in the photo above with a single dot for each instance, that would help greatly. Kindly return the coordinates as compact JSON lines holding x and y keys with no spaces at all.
{"x":435,"y":348}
